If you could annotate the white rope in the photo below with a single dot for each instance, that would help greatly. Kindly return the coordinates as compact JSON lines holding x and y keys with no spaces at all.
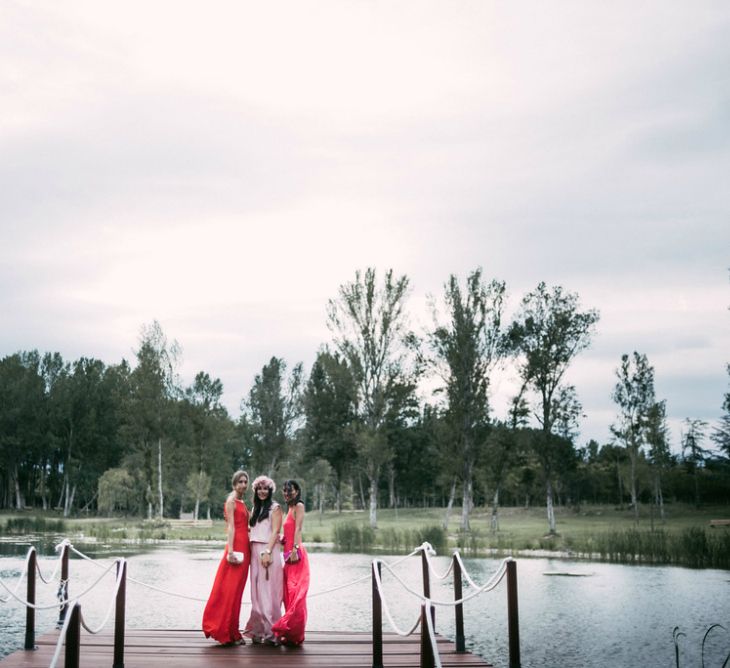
{"x":432,"y":634}
{"x":491,"y":584}
{"x":386,"y":609}
{"x":20,"y":579}
{"x":465,"y":572}
{"x":429,"y":554}
{"x":62,"y":635}
{"x":363,"y":578}
{"x":60,"y":602}
{"x":58,"y":549}
{"x":120,"y":568}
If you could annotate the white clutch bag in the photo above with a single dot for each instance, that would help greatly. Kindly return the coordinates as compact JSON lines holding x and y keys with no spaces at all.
{"x":238,"y":556}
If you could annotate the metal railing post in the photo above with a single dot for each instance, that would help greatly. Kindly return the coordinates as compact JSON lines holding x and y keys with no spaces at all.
{"x":73,"y":638}
{"x":427,"y":584}
{"x":119,"y":615}
{"x":427,"y":660}
{"x":513,"y":622}
{"x":30,"y":598}
{"x":377,"y":620}
{"x":458,"y":608}
{"x":63,"y":585}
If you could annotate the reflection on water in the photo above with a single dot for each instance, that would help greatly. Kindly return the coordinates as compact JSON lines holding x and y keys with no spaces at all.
{"x":619,"y":615}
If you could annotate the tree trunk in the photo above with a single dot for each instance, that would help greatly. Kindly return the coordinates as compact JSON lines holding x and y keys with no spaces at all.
{"x":550,"y":509}
{"x":362,"y":492}
{"x":620,"y":486}
{"x":450,"y":505}
{"x":67,"y":509}
{"x":197,"y":507}
{"x":494,"y":522}
{"x":391,"y":486}
{"x":159,"y":477}
{"x":19,"y":500}
{"x":466,"y":497}
{"x":374,"y":502}
{"x":634,"y":495}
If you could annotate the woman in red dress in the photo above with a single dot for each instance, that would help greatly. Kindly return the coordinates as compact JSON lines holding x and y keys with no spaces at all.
{"x":222,"y":612}
{"x":289,"y":630}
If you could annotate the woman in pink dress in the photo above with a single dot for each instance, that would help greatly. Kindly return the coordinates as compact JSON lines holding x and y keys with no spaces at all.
{"x":289,"y":630}
{"x":222,"y":612}
{"x":267,"y":574}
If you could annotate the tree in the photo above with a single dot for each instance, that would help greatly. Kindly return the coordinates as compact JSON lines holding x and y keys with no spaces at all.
{"x":721,"y":433}
{"x":329,"y":400}
{"x":116,"y":491}
{"x":547,"y":334}
{"x":657,"y":440}
{"x":369,"y":328}
{"x":465,"y":350}
{"x":271,"y":413}
{"x":634,"y":394}
{"x":154,"y":387}
{"x":694,"y":454}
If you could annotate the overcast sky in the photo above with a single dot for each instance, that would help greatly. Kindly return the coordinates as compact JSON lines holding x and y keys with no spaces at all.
{"x":224,"y":167}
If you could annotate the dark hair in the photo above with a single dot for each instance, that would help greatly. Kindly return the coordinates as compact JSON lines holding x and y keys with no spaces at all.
{"x":293,"y":484}
{"x":260,"y":508}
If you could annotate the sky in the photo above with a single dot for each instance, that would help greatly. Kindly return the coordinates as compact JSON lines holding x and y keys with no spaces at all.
{"x":224,"y":168}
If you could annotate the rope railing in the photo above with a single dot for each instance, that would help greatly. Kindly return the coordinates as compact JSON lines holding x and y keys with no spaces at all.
{"x":429,"y":650}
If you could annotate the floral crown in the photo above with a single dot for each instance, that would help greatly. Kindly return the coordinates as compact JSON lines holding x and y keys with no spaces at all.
{"x":264,"y":481}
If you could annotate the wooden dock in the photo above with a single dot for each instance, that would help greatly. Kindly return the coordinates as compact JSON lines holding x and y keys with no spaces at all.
{"x":183,"y":648}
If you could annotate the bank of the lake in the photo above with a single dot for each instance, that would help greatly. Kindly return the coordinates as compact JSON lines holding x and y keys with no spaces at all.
{"x":614,"y":615}
{"x":684,"y":537}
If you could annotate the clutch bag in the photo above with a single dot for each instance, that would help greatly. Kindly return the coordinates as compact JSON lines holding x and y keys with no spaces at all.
{"x":238,"y":556}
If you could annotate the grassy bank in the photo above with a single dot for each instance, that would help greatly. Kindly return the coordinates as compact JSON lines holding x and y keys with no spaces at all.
{"x":599,"y":532}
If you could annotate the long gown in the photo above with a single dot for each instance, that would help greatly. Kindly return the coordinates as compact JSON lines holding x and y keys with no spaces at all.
{"x":222,"y":612}
{"x":290,"y":628}
{"x":267,"y":584}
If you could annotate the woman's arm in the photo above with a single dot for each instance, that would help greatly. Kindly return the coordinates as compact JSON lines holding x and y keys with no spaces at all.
{"x":276,"y":517}
{"x":230,"y":525}
{"x":298,"y":524}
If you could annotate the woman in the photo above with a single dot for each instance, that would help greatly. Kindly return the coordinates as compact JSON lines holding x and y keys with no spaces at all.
{"x":290,"y":628}
{"x":222,"y":612}
{"x":267,"y":576}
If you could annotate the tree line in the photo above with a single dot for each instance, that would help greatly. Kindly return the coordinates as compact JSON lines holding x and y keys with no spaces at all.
{"x":84,"y":436}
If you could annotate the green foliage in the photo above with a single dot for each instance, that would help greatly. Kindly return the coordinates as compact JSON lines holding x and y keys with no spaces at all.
{"x":353,"y":537}
{"x":23,"y":525}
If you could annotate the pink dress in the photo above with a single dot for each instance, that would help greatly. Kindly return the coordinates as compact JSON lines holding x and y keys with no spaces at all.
{"x":222,"y":612}
{"x":290,"y":628}
{"x":267,"y":584}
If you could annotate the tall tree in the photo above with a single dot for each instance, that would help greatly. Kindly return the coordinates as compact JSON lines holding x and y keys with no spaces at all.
{"x":721,"y":433}
{"x":271,"y":413}
{"x":154,"y":388}
{"x":634,"y":395}
{"x":547,"y":334}
{"x":465,"y":350}
{"x":657,"y":441}
{"x":694,"y":454}
{"x":369,"y":327}
{"x":330,"y":406}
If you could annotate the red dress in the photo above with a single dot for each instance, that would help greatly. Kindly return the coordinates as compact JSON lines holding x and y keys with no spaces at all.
{"x":222,"y":612}
{"x":290,"y":628}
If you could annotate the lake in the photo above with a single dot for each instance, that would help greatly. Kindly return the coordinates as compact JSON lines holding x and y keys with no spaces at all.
{"x":615,"y":615}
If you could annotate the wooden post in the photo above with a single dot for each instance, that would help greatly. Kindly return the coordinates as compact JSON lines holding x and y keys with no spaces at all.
{"x":377,"y":620}
{"x":513,"y":622}
{"x":427,"y":660}
{"x":73,"y":638}
{"x":427,"y":584}
{"x":30,"y":598}
{"x":63,"y":586}
{"x":119,"y":615}
{"x":459,"y":608}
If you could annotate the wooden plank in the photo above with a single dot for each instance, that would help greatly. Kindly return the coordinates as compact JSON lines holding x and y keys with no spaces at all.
{"x":188,"y":647}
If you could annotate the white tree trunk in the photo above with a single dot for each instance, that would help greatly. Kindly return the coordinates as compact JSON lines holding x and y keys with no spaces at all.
{"x":374,"y":502}
{"x":159,"y":477}
{"x":550,"y":509}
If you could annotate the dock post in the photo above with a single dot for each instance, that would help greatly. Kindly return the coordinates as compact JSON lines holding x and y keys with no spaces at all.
{"x":458,"y":608}
{"x":513,"y":622}
{"x":63,"y":586}
{"x":427,"y":584}
{"x":427,"y":659}
{"x":119,"y":615}
{"x":73,"y":638}
{"x":30,"y":598}
{"x":377,"y":619}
